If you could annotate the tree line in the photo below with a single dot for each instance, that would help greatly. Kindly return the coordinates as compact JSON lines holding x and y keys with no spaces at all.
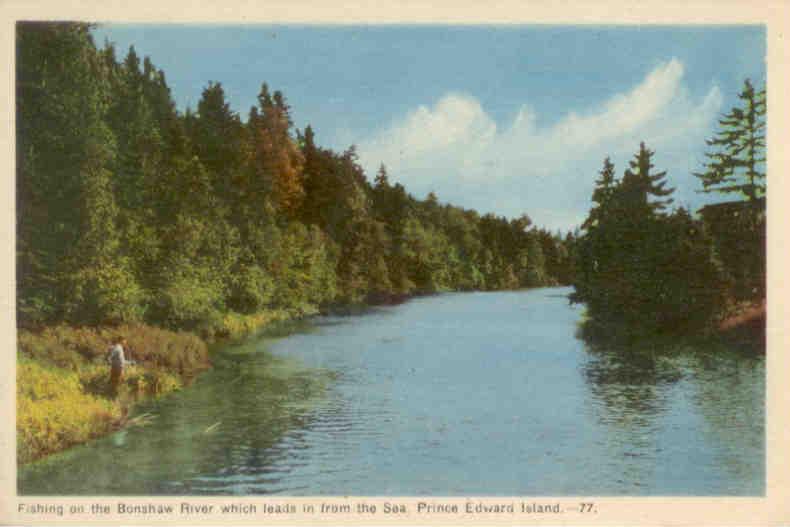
{"x":129,"y":210}
{"x":643,"y":266}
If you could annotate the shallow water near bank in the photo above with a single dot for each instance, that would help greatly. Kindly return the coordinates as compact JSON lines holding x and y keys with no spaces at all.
{"x":455,"y":394}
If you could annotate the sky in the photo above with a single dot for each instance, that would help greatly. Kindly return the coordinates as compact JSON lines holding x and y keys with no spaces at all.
{"x":502,"y":119}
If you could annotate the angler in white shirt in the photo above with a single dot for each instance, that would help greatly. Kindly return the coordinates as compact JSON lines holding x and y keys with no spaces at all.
{"x":118,"y":361}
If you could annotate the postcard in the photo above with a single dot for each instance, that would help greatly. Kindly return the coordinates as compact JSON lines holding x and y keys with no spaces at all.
{"x":352,"y":264}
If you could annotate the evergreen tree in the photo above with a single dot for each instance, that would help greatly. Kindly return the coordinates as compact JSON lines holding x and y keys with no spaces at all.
{"x":217,"y":135}
{"x":640,"y":267}
{"x":129,"y":209}
{"x":737,"y":166}
{"x":602,"y":195}
{"x":642,"y":192}
{"x":738,"y":160}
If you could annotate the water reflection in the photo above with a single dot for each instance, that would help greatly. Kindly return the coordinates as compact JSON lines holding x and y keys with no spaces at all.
{"x":629,"y":385}
{"x":642,"y":394}
{"x":729,"y":390}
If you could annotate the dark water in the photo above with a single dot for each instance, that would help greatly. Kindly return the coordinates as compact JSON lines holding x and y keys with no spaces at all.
{"x":458,"y":394}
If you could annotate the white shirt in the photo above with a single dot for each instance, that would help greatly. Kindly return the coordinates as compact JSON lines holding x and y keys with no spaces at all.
{"x":117,"y":357}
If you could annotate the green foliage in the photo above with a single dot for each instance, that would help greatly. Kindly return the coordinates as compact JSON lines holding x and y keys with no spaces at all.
{"x":237,"y":325}
{"x":737,"y":166}
{"x":737,"y":163}
{"x":190,"y":299}
{"x":640,"y":267}
{"x":740,"y":242}
{"x":251,"y":288}
{"x":142,"y":213}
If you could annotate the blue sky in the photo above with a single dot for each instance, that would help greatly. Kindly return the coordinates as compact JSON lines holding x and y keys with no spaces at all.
{"x":504,"y":119}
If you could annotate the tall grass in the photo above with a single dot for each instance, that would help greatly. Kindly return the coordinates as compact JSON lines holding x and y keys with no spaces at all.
{"x":237,"y":325}
{"x":54,"y":412}
{"x":63,"y":390}
{"x":64,"y":395}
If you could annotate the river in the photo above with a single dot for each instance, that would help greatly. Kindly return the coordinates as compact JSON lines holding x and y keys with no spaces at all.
{"x":454,"y":394}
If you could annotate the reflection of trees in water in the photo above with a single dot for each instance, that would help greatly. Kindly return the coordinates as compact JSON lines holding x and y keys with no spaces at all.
{"x":628,"y":387}
{"x":729,"y":390}
{"x":629,"y":383}
{"x":260,"y":401}
{"x":631,"y":387}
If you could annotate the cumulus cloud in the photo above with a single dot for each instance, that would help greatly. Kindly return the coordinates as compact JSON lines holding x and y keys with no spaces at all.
{"x":456,"y":149}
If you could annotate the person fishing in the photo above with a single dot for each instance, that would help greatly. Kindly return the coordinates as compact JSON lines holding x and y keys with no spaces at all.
{"x":117,"y":357}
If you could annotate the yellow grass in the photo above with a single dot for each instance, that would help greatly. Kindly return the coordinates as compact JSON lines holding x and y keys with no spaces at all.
{"x":63,"y":390}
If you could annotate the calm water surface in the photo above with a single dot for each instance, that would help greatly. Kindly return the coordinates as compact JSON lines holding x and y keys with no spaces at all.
{"x":457,"y":394}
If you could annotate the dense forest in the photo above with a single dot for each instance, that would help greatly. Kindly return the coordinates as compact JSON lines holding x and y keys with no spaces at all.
{"x":129,"y":210}
{"x":643,"y":266}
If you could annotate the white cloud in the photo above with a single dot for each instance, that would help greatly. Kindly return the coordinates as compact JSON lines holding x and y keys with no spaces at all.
{"x":455,"y":148}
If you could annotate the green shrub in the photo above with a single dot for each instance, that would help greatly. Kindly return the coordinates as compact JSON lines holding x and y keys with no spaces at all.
{"x":189,"y":301}
{"x":251,"y":289}
{"x":236,"y":325}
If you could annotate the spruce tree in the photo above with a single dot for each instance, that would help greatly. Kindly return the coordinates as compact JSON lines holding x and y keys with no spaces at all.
{"x":737,"y":165}
{"x":737,"y":161}
{"x":644,"y":192}
{"x":602,"y":195}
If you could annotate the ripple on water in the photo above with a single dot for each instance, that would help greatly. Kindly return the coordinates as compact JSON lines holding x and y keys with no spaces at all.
{"x":477,"y":394}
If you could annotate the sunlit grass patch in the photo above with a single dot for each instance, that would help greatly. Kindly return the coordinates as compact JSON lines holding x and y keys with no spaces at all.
{"x":238,"y":325}
{"x":64,"y":395}
{"x":53,"y":411}
{"x":137,"y":382}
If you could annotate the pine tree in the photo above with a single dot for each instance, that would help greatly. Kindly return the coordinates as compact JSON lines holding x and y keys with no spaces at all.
{"x":602,"y":195}
{"x":639,"y":267}
{"x":737,"y":162}
{"x":642,"y":191}
{"x":737,"y":165}
{"x":218,"y":136}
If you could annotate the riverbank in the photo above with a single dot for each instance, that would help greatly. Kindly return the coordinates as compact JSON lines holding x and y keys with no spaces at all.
{"x":291,"y":415}
{"x":745,"y":323}
{"x":63,"y":392}
{"x":740,"y":324}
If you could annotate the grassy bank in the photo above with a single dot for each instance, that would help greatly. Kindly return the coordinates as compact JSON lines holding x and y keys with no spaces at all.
{"x":63,"y":391}
{"x":235,"y":325}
